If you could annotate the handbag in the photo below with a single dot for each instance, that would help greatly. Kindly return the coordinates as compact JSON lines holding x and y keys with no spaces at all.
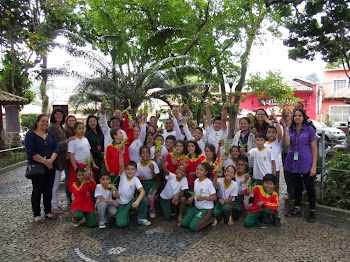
{"x":34,"y":170}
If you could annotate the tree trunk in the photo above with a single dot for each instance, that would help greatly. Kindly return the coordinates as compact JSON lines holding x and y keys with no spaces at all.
{"x":43,"y":87}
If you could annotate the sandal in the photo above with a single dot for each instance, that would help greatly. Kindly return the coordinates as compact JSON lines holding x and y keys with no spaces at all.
{"x":230,"y":221}
{"x":38,"y":219}
{"x":57,"y":211}
{"x":50,"y":216}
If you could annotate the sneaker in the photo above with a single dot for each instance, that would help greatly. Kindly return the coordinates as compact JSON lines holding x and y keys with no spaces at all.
{"x":215,"y":222}
{"x":312,"y":217}
{"x":263,"y":225}
{"x":293,"y":213}
{"x":101,"y":225}
{"x":143,"y":222}
{"x":277,"y":223}
{"x":75,"y":224}
{"x":179,"y":221}
{"x":152,"y":213}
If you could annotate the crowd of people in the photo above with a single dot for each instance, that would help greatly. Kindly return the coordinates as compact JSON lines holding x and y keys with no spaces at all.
{"x":185,"y":171}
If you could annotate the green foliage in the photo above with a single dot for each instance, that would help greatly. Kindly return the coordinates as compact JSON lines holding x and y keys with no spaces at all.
{"x":272,"y":86}
{"x":337,"y":183}
{"x":28,"y":122}
{"x":328,"y":122}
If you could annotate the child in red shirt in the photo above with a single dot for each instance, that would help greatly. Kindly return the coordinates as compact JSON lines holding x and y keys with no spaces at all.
{"x":82,"y":205}
{"x":265,"y":204}
{"x":193,"y":158}
{"x":176,"y":158}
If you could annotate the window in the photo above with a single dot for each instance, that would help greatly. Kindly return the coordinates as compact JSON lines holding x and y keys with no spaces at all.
{"x":339,"y":86}
{"x":339,"y":114}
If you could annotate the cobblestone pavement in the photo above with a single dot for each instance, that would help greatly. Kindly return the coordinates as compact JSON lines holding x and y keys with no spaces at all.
{"x":21,"y":239}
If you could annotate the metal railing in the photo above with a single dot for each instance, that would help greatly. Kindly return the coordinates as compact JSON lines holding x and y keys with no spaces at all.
{"x":12,"y":156}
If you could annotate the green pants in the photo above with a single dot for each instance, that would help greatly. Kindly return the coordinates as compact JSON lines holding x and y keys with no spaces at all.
{"x":260,"y":217}
{"x":150,"y":186}
{"x":89,"y":216}
{"x":224,"y":209}
{"x":196,"y":219}
{"x":238,"y":202}
{"x":123,"y":212}
{"x":162,"y":181}
{"x":166,"y":205}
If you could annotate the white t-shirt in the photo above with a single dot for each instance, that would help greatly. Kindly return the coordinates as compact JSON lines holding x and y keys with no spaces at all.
{"x":80,"y":148}
{"x":134,"y":148}
{"x":105,"y":193}
{"x":215,"y":136}
{"x":145,"y":171}
{"x":164,"y":153}
{"x":275,"y":148}
{"x":262,"y":162}
{"x":204,"y":188}
{"x":173,"y":186}
{"x":127,"y":188}
{"x":241,"y":184}
{"x":201,"y":142}
{"x":225,"y":193}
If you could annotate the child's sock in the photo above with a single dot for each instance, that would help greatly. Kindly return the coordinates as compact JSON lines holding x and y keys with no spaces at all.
{"x":150,"y":200}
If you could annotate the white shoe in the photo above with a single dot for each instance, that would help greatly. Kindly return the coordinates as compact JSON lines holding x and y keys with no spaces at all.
{"x":143,"y":222}
{"x":215,"y":222}
{"x":152,"y":214}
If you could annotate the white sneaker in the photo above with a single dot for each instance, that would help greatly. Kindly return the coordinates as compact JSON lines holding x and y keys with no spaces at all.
{"x":143,"y":222}
{"x":101,"y":225}
{"x":152,"y":214}
{"x":215,"y":222}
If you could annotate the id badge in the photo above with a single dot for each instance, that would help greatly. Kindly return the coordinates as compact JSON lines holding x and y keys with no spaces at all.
{"x":296,"y":155}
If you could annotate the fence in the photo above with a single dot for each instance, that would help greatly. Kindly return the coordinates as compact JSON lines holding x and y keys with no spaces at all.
{"x":12,"y":156}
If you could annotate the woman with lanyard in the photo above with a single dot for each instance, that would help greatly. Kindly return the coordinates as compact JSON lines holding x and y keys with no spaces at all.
{"x":96,"y":139}
{"x":301,"y":161}
{"x":56,"y":129}
{"x":42,"y":148}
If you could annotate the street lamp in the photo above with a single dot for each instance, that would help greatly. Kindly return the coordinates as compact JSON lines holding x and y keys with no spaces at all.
{"x":229,"y":80}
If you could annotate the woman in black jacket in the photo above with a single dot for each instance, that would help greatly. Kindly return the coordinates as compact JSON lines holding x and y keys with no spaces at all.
{"x":96,"y":139}
{"x":42,"y":148}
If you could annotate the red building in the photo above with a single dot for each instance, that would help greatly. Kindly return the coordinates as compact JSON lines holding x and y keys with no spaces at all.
{"x":308,"y":91}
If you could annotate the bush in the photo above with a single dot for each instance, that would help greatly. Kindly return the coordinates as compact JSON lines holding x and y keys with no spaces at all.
{"x":337,"y":183}
{"x":28,"y":121}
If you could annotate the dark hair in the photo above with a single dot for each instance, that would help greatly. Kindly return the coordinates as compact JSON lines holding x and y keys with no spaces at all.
{"x":200,"y":129}
{"x":260,"y":135}
{"x":98,"y":128}
{"x":131,"y":163}
{"x":197,"y":151}
{"x":270,"y":177}
{"x":234,"y":168}
{"x":304,"y":116}
{"x":69,"y":116}
{"x":113,"y":118}
{"x":160,"y":136}
{"x":212,"y":149}
{"x":114,"y":131}
{"x":105,"y":174}
{"x":246,"y":119}
{"x":79,"y":169}
{"x":76,"y":124}
{"x":264,"y":124}
{"x":243,"y":160}
{"x":207,"y":167}
{"x":143,"y":147}
{"x":273,"y":127}
{"x":152,"y":117}
{"x":52,"y":118}
{"x":171,"y":137}
{"x":217,"y":118}
{"x":235,"y":147}
{"x":183,"y":166}
{"x":38,"y":118}
{"x":152,"y":127}
{"x":300,"y":103}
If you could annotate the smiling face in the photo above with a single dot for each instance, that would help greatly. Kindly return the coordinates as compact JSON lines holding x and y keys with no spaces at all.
{"x":197,"y":134}
{"x":208,"y":153}
{"x":43,"y":123}
{"x":130,"y":171}
{"x":137,"y":132}
{"x":153,"y":121}
{"x":259,"y":142}
{"x":298,"y":117}
{"x":243,"y":125}
{"x":169,"y":144}
{"x":181,"y":171}
{"x":59,"y":117}
{"x":217,"y":125}
{"x":80,"y":177}
{"x":71,"y":121}
{"x":92,"y":123}
{"x":179,"y":147}
{"x":230,"y":173}
{"x":117,"y":113}
{"x":145,"y":154}
{"x":114,"y":123}
{"x":201,"y":172}
{"x":240,"y":165}
{"x":191,"y":148}
{"x":235,"y":153}
{"x":268,"y":186}
{"x":271,"y":134}
{"x":176,"y":112}
{"x":260,"y":115}
{"x":169,"y":126}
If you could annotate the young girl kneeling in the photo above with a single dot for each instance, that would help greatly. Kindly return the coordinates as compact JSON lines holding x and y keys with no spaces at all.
{"x":200,"y":215}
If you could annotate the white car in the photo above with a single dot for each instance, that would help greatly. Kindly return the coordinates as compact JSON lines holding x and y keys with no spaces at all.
{"x":332,"y":134}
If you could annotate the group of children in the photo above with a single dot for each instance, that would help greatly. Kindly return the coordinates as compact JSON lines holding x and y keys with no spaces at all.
{"x":181,"y":166}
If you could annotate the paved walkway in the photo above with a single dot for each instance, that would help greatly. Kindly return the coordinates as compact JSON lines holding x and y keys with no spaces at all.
{"x":23,"y":240}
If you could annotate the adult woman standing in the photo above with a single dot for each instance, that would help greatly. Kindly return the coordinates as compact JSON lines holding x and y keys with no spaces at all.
{"x":287,"y":118}
{"x":69,"y":130}
{"x":301,"y":161}
{"x":261,"y":122}
{"x":56,"y":129}
{"x":96,"y":139}
{"x":42,"y":148}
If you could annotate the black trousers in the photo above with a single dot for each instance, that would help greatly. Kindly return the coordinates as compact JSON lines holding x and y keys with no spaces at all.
{"x":42,"y":186}
{"x":310,"y":187}
{"x":288,"y":177}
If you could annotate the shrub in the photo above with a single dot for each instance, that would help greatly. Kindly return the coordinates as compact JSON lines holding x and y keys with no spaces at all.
{"x":28,"y":121}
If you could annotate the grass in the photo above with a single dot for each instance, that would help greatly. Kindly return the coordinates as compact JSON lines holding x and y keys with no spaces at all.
{"x":11,"y":158}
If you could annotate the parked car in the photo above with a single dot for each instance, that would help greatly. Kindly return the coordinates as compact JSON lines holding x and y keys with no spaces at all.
{"x":333,"y":135}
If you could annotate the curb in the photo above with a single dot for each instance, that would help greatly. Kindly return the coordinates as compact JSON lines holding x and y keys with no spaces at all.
{"x":13,"y":167}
